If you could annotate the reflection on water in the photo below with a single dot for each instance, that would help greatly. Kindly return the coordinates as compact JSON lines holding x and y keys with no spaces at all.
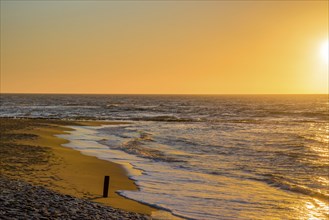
{"x":207,"y":181}
{"x":315,"y":209}
{"x":206,"y":157}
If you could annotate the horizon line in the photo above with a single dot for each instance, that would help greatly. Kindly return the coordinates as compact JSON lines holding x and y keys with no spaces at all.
{"x":174,"y":94}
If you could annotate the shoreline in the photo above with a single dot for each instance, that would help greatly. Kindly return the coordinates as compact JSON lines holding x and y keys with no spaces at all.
{"x":86,"y":141}
{"x":66,"y":171}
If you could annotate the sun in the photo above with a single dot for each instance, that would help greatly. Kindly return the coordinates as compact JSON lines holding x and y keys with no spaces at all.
{"x":324,"y":51}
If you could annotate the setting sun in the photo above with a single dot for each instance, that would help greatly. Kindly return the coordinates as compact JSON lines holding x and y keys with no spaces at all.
{"x":324,"y":51}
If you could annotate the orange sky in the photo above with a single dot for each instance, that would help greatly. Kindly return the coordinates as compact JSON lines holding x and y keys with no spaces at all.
{"x":215,"y":47}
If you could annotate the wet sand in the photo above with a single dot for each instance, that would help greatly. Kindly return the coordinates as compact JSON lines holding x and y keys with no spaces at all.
{"x":31,"y":152}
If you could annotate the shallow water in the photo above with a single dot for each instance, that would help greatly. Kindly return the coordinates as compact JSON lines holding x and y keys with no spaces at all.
{"x":206,"y":157}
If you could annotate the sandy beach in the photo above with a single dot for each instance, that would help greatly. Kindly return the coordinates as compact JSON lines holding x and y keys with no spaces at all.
{"x":31,"y":153}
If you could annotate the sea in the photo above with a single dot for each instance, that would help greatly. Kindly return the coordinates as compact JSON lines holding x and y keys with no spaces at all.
{"x":204,"y":156}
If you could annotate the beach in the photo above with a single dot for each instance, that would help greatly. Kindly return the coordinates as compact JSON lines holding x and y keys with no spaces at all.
{"x":194,"y":110}
{"x":195,"y":157}
{"x":21,"y":200}
{"x":31,"y":153}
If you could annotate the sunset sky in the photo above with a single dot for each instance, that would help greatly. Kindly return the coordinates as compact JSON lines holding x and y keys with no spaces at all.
{"x":164,"y":47}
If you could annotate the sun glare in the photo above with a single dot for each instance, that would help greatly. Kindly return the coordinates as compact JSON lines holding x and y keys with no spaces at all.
{"x":324,"y":50}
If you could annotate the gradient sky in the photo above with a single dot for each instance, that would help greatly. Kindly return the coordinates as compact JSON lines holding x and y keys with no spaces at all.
{"x":168,"y":47}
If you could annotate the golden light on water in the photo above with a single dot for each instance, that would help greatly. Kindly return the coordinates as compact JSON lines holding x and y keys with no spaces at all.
{"x":323,"y":181}
{"x":314,"y":208}
{"x":311,"y":210}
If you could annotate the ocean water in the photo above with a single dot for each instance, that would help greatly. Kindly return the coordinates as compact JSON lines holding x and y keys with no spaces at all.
{"x":205,"y":157}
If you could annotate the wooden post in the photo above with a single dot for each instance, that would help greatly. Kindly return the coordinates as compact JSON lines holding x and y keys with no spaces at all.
{"x":106,"y":186}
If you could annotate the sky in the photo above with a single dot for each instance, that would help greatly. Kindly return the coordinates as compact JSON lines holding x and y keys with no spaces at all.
{"x":164,"y":47}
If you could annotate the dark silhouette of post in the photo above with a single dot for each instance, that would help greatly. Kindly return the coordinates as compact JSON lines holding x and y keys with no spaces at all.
{"x":106,"y":186}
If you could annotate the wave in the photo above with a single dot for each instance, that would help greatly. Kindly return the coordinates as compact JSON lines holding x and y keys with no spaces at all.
{"x":315,"y":114}
{"x":136,"y":146}
{"x":165,"y":118}
{"x":131,"y":107}
{"x":282,"y":183}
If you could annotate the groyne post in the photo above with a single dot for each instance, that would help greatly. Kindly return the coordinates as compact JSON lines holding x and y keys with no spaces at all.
{"x":106,"y":186}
